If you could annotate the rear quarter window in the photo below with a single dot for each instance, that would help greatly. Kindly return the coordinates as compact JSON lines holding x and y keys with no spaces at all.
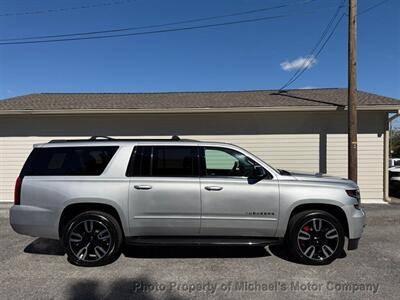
{"x":68,"y":161}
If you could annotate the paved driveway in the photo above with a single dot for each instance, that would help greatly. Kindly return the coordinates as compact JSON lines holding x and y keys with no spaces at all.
{"x":37,"y":268}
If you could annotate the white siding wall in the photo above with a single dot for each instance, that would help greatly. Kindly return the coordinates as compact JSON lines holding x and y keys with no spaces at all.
{"x":286,"y":151}
{"x":13,"y":153}
{"x":370,"y":162}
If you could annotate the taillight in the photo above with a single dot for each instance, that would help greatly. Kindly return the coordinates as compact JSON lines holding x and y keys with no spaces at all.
{"x":17,"y":191}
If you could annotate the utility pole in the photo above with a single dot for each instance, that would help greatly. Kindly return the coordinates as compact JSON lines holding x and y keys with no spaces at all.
{"x":352,"y":91}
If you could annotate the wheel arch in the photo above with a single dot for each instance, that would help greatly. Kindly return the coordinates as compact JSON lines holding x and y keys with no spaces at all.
{"x":73,"y":209}
{"x":334,"y":210}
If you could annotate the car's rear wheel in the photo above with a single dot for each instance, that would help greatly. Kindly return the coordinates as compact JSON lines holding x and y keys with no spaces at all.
{"x":92,"y":239}
{"x":315,"y":237}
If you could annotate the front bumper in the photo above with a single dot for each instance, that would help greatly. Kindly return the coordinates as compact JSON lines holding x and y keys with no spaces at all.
{"x":356,"y":222}
{"x":34,"y":221}
{"x":352,"y":244}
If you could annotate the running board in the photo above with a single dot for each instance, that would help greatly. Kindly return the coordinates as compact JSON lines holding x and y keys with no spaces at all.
{"x":200,"y":241}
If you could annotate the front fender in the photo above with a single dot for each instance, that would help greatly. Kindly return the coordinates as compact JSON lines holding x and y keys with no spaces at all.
{"x":284,"y":218}
{"x":293,"y":195}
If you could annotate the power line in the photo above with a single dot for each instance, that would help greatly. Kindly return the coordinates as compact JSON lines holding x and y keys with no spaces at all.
{"x":304,"y":67}
{"x":311,"y":54}
{"x":146,"y":32}
{"x":320,"y":50}
{"x":361,"y":12}
{"x":263,"y":9}
{"x":372,"y":7}
{"x":164,"y":31}
{"x":63,"y":9}
{"x":150,"y":32}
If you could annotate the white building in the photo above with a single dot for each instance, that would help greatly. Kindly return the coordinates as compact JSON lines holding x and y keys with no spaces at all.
{"x":296,"y":130}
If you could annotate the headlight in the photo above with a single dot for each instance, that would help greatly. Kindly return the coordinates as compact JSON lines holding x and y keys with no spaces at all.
{"x":356,"y":195}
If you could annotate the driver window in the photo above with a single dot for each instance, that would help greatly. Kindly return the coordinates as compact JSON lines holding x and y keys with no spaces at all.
{"x":227,"y":162}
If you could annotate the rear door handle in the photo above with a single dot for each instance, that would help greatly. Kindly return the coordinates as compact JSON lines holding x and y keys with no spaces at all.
{"x":213,"y":188}
{"x":142,"y":187}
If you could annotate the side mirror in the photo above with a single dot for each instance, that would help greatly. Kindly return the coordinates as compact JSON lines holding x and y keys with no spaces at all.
{"x":259,"y":172}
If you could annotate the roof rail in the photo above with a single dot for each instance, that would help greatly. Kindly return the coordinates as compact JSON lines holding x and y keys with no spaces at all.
{"x":93,"y":138}
{"x":96,"y":138}
{"x":100,"y":137}
{"x":175,"y":138}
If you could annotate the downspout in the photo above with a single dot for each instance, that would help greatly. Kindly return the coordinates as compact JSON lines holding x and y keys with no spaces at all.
{"x":386,"y":151}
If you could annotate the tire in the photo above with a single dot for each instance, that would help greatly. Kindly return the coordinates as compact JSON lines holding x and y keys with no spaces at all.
{"x":92,"y":239}
{"x":315,"y":237}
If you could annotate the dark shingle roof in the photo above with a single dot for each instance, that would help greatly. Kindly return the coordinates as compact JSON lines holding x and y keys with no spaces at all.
{"x":191,"y":100}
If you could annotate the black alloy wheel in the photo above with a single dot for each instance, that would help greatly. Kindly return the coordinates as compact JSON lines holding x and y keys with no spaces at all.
{"x":315,"y":237}
{"x":92,"y":238}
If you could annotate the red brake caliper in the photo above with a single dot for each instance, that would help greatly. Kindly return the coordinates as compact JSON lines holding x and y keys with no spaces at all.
{"x":306,"y":229}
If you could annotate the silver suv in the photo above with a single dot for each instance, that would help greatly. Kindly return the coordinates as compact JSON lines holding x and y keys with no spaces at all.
{"x":97,"y":195}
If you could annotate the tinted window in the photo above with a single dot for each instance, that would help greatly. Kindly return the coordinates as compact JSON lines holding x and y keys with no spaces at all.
{"x":164,"y":161}
{"x":227,"y":162}
{"x":139,"y":164}
{"x":68,"y":161}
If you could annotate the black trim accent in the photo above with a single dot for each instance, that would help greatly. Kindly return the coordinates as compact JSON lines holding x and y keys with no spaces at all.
{"x":198,"y":161}
{"x":129,"y":169}
{"x":202,"y":162}
{"x":353,"y":244}
{"x":201,"y":241}
{"x":151,"y":160}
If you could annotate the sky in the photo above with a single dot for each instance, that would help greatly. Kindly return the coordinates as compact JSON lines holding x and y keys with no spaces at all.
{"x":246,"y":56}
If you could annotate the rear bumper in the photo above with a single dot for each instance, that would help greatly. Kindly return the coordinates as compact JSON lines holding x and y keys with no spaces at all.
{"x":34,"y":221}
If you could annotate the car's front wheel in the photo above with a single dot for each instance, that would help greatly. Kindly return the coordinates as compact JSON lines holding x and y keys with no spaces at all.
{"x":92,"y":239}
{"x":315,"y":237}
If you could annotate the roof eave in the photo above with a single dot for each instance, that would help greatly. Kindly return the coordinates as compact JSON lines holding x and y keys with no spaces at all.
{"x":387,"y":108}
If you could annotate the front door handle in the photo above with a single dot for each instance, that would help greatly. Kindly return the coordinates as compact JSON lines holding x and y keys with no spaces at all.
{"x":142,"y":187}
{"x":213,"y":188}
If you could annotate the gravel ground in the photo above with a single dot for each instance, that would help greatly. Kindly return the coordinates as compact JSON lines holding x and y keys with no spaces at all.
{"x":37,"y":268}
